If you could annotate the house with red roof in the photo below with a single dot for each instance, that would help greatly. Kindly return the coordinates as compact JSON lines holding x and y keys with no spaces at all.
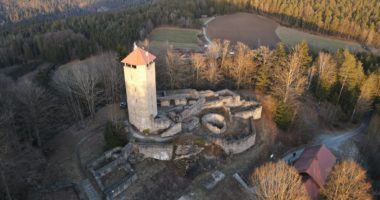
{"x":314,"y":165}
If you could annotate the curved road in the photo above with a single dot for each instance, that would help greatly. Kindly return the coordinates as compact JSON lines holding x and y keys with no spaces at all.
{"x":205,"y":32}
{"x":335,"y":139}
{"x":332,"y":140}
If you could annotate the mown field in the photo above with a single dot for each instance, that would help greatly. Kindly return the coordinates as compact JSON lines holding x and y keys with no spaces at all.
{"x":256,"y":30}
{"x":292,"y":36}
{"x":177,"y":37}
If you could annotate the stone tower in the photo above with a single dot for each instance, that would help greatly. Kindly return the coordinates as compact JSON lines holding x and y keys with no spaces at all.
{"x":140,"y":83}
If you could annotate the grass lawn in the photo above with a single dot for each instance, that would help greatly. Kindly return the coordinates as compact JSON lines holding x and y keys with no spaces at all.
{"x":292,"y":36}
{"x":178,"y":37}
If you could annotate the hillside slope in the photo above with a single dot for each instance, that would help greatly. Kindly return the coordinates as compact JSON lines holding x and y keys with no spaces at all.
{"x":15,"y":11}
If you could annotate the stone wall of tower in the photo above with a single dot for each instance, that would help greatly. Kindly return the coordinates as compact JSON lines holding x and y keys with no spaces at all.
{"x":140,"y":82}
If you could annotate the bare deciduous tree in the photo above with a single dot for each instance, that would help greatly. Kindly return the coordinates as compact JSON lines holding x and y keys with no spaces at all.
{"x":62,"y":84}
{"x":278,"y":181}
{"x":199,"y":62}
{"x":111,"y":75}
{"x":84,"y":79}
{"x":81,"y":84}
{"x":224,"y":51}
{"x":36,"y":108}
{"x":212,"y":73}
{"x":325,"y":69}
{"x":6,"y":106}
{"x":347,"y":180}
{"x":289,"y":81}
{"x":172,"y":68}
{"x":243,"y":69}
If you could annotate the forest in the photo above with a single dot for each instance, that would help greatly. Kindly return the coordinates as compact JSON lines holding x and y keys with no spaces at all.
{"x":344,"y":79}
{"x":358,"y":20}
{"x":17,"y":11}
{"x":79,"y":37}
{"x":339,"y":78}
{"x":115,"y":30}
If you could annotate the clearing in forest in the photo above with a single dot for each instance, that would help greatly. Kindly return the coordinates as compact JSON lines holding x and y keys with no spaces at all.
{"x":178,"y":37}
{"x":316,"y":42}
{"x":253,"y":30}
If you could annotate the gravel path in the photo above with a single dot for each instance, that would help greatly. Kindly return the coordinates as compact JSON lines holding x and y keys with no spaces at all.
{"x":333,"y":140}
{"x":205,"y":32}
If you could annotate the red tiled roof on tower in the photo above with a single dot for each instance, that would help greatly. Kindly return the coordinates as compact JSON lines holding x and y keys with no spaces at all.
{"x":139,"y":57}
{"x":314,"y":165}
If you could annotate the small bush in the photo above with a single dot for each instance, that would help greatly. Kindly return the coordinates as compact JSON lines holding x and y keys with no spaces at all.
{"x":146,"y":131}
{"x":114,"y":136}
{"x":283,"y":117}
{"x":200,"y":142}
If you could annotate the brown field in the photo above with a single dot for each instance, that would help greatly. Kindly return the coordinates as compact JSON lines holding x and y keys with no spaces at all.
{"x":250,"y":29}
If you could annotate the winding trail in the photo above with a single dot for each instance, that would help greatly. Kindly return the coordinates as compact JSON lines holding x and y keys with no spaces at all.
{"x":205,"y":32}
{"x":333,"y":140}
{"x":336,"y":139}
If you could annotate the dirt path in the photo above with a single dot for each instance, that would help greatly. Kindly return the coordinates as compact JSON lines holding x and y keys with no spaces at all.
{"x":334,"y":140}
{"x":75,"y":146}
{"x":205,"y":32}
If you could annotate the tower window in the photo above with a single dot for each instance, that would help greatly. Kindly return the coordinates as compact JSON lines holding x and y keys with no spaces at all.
{"x":131,"y":66}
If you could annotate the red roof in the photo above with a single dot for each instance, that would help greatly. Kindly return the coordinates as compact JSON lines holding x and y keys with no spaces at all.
{"x":139,"y":57}
{"x":314,"y":164}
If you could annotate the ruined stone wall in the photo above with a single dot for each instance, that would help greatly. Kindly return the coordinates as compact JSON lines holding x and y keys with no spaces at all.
{"x":246,"y":114}
{"x":238,"y":144}
{"x":106,"y":155}
{"x":120,"y":186}
{"x":194,"y":109}
{"x":156,"y":150}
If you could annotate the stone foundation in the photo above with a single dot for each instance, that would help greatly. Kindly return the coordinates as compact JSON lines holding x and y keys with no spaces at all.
{"x":174,"y":130}
{"x":255,"y":113}
{"x":239,"y":144}
{"x":115,"y":159}
{"x":156,"y":151}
